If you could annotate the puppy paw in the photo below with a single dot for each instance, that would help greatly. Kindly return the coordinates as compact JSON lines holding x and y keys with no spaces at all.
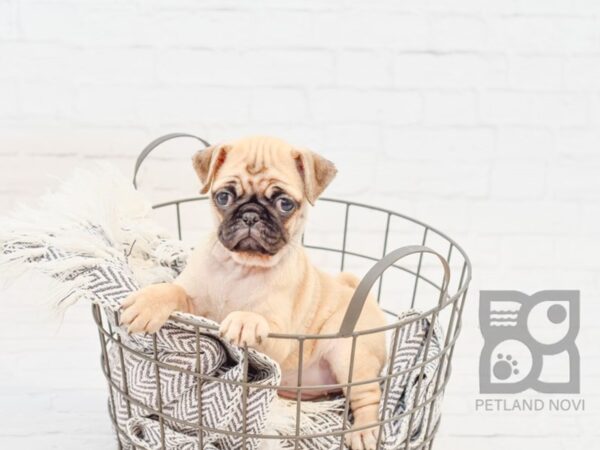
{"x":146,"y":310}
{"x":244,"y":328}
{"x":363,"y":439}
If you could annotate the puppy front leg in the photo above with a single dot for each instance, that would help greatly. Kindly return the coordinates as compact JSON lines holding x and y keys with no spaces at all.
{"x":251,"y":329}
{"x":149,"y":308}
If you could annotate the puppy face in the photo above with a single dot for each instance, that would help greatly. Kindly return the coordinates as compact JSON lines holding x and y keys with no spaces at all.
{"x":260,"y":189}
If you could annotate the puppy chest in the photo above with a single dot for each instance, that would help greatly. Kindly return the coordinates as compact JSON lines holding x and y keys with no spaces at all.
{"x":230,"y":294}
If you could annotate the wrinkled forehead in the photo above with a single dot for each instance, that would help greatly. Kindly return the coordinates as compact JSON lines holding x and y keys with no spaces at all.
{"x":260,"y":170}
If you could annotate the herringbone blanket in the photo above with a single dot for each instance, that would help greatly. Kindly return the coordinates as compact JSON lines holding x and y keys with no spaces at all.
{"x":95,"y":239}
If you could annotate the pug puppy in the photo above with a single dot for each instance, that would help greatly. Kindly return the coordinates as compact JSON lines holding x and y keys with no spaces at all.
{"x":253,"y":276}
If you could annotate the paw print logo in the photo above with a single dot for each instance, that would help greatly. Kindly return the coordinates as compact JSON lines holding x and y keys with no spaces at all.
{"x":505,"y":367}
{"x":522,"y":333}
{"x":510,"y":362}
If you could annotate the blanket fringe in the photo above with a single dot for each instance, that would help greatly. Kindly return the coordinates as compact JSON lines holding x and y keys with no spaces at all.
{"x":116,"y":224}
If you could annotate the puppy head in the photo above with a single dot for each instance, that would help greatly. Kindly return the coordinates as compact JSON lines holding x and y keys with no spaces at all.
{"x":260,"y":188}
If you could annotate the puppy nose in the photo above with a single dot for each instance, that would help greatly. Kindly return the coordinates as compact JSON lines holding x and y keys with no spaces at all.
{"x":250,"y":218}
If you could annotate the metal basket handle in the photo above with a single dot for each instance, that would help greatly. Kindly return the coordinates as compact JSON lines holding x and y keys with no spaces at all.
{"x":155,"y":143}
{"x":364,"y":287}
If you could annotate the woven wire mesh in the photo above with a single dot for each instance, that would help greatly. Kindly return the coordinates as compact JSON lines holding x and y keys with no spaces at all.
{"x":344,"y":236}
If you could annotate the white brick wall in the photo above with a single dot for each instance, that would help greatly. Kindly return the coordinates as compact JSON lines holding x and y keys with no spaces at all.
{"x":481,"y":117}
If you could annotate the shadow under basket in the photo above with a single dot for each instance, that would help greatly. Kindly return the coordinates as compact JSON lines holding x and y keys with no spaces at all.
{"x":422,"y":293}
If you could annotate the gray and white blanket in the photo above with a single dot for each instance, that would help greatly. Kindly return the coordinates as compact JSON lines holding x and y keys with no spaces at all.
{"x":94,"y":237}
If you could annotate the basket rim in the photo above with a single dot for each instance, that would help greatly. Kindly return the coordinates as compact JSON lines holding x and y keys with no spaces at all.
{"x":449,"y":299}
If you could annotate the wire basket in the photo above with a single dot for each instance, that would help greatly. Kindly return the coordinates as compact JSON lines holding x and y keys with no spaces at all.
{"x":345,"y":236}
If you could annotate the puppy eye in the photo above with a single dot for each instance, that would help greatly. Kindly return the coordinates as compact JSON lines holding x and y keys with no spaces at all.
{"x":223,"y":198}
{"x":285,"y":204}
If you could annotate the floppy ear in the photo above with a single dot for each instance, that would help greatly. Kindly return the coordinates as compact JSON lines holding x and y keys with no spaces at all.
{"x":207,"y":162}
{"x":316,"y":173}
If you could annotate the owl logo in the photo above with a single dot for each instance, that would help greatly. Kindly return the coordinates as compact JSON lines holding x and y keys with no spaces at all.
{"x":529,"y":342}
